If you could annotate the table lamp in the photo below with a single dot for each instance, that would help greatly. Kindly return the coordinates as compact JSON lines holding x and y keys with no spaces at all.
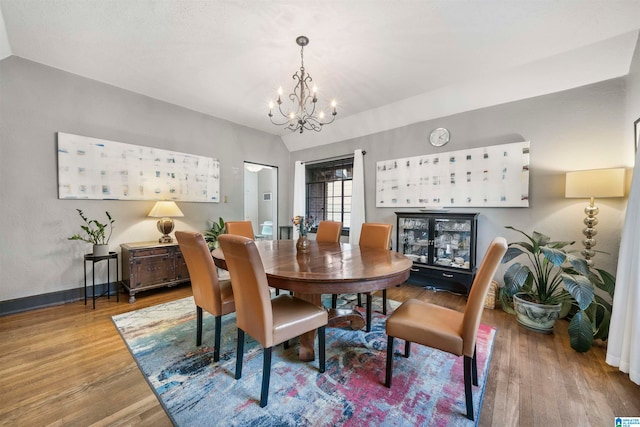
{"x":591,"y":184}
{"x":164,"y":211}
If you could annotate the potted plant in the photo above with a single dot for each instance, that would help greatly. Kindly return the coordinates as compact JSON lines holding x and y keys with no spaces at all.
{"x":211,"y":235}
{"x":95,"y":233}
{"x":555,"y":276}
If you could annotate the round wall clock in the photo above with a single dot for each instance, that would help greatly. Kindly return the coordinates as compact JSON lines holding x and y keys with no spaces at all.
{"x":439,"y":137}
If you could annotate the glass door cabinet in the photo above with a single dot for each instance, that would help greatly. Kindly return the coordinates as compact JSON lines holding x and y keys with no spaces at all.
{"x":442,"y":246}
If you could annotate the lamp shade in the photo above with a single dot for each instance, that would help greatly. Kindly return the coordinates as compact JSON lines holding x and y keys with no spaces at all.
{"x":165,"y":210}
{"x":595,"y":183}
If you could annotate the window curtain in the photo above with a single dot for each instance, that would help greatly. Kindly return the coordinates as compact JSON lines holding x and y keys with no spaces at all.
{"x":357,"y":198}
{"x":623,"y":347}
{"x":299,"y":194}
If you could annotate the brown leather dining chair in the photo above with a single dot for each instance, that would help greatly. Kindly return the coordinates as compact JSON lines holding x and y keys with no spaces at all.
{"x":329,"y":231}
{"x":240,"y":228}
{"x":375,"y":235}
{"x":245,"y":229}
{"x":268,"y":321}
{"x":209,"y":293}
{"x":446,"y":329}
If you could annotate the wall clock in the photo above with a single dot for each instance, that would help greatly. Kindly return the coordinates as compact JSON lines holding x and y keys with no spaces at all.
{"x":439,"y":137}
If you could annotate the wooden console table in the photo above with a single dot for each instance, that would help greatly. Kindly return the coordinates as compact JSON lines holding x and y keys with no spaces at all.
{"x":148,"y":265}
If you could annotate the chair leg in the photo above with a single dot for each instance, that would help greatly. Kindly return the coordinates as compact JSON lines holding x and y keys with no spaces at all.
{"x":216,"y":349}
{"x":334,"y":301}
{"x":321,"y":348}
{"x":474,"y":366}
{"x":387,"y":379}
{"x":359,"y":300}
{"x":468,"y":362}
{"x":369,"y":298}
{"x":266,"y":376}
{"x":239,"y":355}
{"x":407,"y":349}
{"x":277,"y":291}
{"x":198,"y":326}
{"x":384,"y":301}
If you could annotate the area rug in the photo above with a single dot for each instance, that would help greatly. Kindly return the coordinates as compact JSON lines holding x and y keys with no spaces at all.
{"x":428,"y":388}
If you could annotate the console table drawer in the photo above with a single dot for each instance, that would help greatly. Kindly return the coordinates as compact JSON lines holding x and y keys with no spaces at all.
{"x":151,"y":252}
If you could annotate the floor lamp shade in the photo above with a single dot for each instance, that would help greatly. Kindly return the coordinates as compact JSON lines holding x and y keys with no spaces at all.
{"x":595,"y":183}
{"x":589,"y":184}
{"x":165,"y":211}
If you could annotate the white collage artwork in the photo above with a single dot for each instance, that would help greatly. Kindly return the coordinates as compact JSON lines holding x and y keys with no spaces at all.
{"x":494,"y":176}
{"x":91,"y":168}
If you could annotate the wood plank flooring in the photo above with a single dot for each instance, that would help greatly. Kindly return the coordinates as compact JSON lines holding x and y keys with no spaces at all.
{"x":68,"y":366}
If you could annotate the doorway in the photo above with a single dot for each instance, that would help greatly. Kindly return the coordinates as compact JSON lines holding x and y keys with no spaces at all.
{"x":261,"y":199}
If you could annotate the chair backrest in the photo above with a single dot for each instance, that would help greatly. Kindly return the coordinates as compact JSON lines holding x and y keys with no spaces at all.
{"x":202,"y":271}
{"x":374,"y":235}
{"x":267,"y":228}
{"x":329,"y":231}
{"x":240,"y":228}
{"x":479,"y":291}
{"x":250,"y":288}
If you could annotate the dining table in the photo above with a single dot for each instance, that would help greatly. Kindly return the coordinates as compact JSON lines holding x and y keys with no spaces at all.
{"x":327,"y":268}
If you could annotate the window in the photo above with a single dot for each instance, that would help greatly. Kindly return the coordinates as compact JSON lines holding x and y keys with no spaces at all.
{"x":329,"y":191}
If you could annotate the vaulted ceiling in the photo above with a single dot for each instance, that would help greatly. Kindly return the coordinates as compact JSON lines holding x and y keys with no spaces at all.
{"x":388,"y":63}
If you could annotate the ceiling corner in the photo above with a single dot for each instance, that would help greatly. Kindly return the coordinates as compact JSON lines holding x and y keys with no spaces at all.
{"x":5,"y":47}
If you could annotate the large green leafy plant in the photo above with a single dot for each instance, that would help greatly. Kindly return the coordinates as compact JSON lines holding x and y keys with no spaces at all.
{"x":211,"y":235}
{"x":95,"y":231}
{"x":555,"y":275}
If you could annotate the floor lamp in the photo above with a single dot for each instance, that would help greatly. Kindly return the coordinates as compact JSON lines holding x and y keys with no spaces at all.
{"x":589,"y":184}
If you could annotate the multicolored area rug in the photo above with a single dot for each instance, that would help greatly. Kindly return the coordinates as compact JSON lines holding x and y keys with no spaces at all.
{"x":428,"y":388}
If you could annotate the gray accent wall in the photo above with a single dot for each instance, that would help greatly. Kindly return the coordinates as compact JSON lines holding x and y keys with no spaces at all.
{"x":583,"y":128}
{"x":589,"y":127}
{"x":37,"y":101}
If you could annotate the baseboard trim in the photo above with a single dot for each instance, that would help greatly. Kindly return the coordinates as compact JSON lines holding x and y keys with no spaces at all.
{"x":33,"y":302}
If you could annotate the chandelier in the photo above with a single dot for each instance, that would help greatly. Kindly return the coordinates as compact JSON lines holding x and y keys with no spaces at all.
{"x":304,"y":116}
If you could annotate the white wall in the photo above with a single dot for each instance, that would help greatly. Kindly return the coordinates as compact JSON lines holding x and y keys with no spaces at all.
{"x":582,"y":128}
{"x":37,"y":101}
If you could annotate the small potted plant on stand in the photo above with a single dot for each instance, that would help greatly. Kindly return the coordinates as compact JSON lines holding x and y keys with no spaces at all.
{"x":555,"y":277}
{"x":95,"y":233}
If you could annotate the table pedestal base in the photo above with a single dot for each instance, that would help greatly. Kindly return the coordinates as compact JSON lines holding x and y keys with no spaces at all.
{"x":337,"y":317}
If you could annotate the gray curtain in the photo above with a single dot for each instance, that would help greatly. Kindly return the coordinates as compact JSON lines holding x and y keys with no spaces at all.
{"x":623,"y":347}
{"x":299,"y":193}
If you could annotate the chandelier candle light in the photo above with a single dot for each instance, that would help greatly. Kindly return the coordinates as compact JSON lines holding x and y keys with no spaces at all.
{"x":590,"y":184}
{"x":305,"y":100}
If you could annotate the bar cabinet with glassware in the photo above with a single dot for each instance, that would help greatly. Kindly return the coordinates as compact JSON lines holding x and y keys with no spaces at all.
{"x":442,"y":246}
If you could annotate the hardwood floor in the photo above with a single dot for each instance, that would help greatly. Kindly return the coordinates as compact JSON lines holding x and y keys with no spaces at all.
{"x":67,"y":365}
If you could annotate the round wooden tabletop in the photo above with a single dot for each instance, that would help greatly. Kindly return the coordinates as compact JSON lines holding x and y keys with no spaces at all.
{"x":328,"y":268}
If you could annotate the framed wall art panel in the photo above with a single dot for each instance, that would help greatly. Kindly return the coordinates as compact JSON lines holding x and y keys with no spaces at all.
{"x":92,"y":168}
{"x":493,"y":176}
